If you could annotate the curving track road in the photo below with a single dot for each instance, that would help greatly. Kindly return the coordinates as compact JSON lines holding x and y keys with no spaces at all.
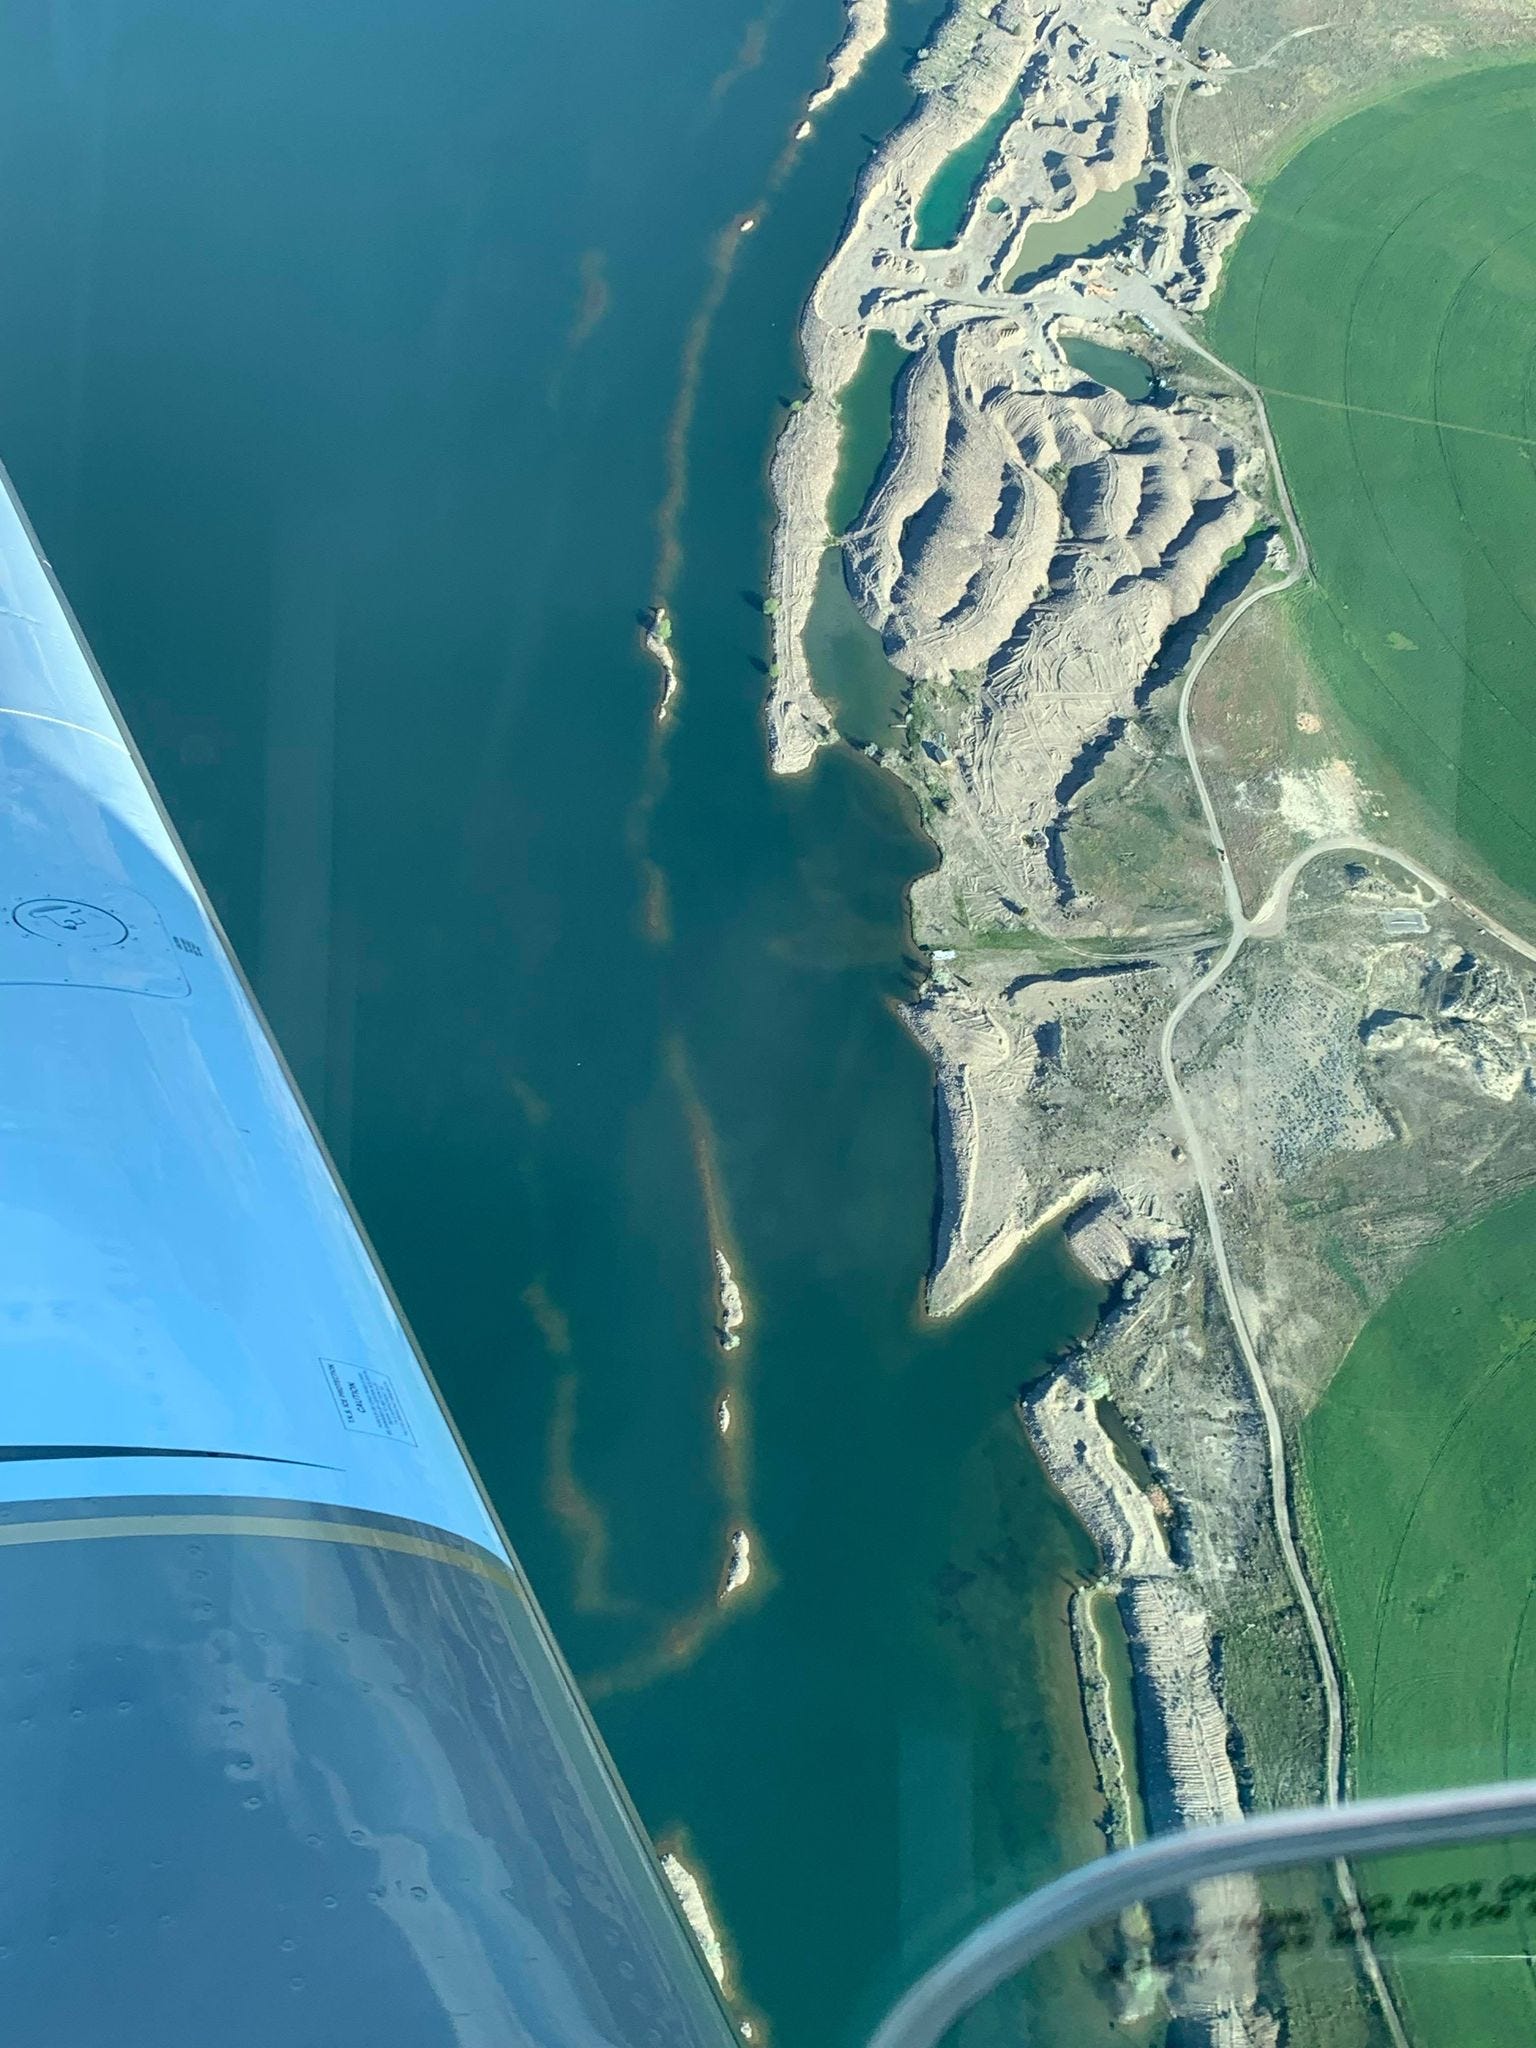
{"x":1268,"y":923}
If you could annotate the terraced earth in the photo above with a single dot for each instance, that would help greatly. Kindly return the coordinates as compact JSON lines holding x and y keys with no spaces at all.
{"x":1382,"y":298}
{"x":1418,"y":1464}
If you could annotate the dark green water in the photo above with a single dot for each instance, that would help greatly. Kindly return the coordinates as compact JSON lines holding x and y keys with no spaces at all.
{"x":1118,"y":368}
{"x":338,"y":352}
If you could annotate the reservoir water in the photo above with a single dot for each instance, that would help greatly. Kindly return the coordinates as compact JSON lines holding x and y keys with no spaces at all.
{"x":341,"y":361}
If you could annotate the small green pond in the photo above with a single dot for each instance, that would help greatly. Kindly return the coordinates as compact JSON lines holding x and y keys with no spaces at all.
{"x":942,"y":209}
{"x":1118,"y":368}
{"x":867,"y":404}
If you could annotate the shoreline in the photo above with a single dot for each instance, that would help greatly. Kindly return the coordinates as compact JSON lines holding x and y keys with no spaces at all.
{"x":1025,"y":616}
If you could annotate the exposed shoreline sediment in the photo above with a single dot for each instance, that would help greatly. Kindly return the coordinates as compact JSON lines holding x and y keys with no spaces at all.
{"x":868,"y":23}
{"x":738,"y":1564}
{"x":1029,"y":544}
{"x":731,"y":1308}
{"x":690,"y":1896}
{"x":1040,"y":555}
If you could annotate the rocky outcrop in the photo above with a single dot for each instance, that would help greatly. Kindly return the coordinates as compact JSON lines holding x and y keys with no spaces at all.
{"x":1179,"y":1712}
{"x":730,"y":1308}
{"x":1050,"y":1109}
{"x":658,"y":645}
{"x":690,"y":1896}
{"x":1475,"y":1019}
{"x":1120,"y":1245}
{"x":868,"y":21}
{"x":738,"y":1564}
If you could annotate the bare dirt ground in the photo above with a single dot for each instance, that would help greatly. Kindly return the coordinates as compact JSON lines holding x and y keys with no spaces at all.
{"x":1298,"y":65}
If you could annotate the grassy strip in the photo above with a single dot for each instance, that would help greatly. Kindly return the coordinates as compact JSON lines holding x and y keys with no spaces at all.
{"x":1389,"y":274}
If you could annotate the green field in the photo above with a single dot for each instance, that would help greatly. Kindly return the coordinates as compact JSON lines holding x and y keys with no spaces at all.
{"x":1383,"y":299}
{"x":1420,"y":1469}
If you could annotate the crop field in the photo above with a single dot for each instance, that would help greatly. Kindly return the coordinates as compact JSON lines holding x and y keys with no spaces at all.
{"x":1383,"y":299}
{"x":1418,"y":1466}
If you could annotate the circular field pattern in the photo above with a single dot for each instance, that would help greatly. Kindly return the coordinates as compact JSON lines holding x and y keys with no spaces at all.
{"x":1418,"y":1464}
{"x":1384,"y":299}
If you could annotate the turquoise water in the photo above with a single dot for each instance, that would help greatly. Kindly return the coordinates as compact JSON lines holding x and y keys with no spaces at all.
{"x":339,"y":358}
{"x":942,"y":209}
